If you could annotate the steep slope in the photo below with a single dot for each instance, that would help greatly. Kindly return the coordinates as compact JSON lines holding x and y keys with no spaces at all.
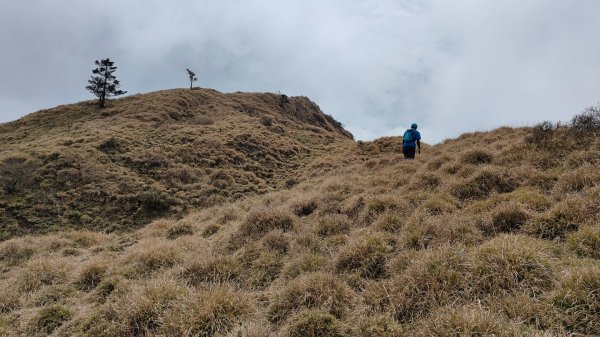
{"x":154,"y":155}
{"x":492,"y":233}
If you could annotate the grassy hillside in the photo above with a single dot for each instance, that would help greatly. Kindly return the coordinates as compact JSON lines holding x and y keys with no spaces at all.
{"x":490,"y":234}
{"x":153,"y":155}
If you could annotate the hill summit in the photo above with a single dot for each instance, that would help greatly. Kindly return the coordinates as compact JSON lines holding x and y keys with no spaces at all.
{"x":153,"y":155}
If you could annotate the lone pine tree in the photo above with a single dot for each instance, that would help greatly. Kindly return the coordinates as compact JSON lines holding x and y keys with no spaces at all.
{"x":104,"y":84}
{"x":192,"y":77}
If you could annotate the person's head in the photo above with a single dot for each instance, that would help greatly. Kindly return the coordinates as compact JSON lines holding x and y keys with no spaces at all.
{"x":413,"y":126}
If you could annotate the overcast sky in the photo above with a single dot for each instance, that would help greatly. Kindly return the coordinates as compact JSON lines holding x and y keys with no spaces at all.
{"x":375,"y":65}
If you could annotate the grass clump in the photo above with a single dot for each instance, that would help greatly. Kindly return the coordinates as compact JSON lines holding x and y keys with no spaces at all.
{"x":531,"y":198}
{"x":277,"y":242}
{"x":258,"y":223}
{"x":467,"y":321}
{"x":42,"y":272}
{"x":313,"y":323}
{"x":390,"y":222}
{"x":561,"y":219}
{"x":16,"y":251}
{"x":578,"y":297}
{"x":148,"y":256}
{"x":520,"y":307}
{"x":211,"y":270}
{"x":9,"y":299}
{"x":477,"y":157}
{"x":435,"y":278}
{"x":91,"y":275}
{"x":368,"y":258}
{"x":305,"y":263}
{"x":483,"y":184}
{"x":379,"y":325}
{"x":210,"y":230}
{"x":179,"y":230}
{"x":311,"y":291}
{"x":212,"y":312}
{"x":49,"y":318}
{"x":585,"y":242}
{"x":514,"y":263}
{"x":333,"y":224}
{"x":441,"y":203}
{"x":304,"y":207}
{"x":506,"y":218}
{"x":140,"y":311}
{"x":575,"y":181}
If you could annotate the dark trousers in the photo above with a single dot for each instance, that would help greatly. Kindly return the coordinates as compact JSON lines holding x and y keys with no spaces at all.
{"x":409,"y":152}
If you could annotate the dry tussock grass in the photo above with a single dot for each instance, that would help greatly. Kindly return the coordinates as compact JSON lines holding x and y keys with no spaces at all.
{"x":510,"y":263}
{"x":485,"y":234}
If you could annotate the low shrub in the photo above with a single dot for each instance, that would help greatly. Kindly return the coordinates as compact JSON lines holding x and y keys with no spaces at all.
{"x":366,"y":257}
{"x":311,"y":291}
{"x":17,"y":175}
{"x":313,"y":323}
{"x":258,"y":223}
{"x":333,"y":224}
{"x":514,"y":263}
{"x":179,"y":230}
{"x":542,"y":134}
{"x":477,"y":157}
{"x":578,"y":298}
{"x":154,"y":203}
{"x":585,"y":242}
{"x":587,"y":123}
{"x":49,"y":318}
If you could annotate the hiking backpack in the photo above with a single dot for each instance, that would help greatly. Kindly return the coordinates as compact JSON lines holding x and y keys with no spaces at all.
{"x":408,"y":136}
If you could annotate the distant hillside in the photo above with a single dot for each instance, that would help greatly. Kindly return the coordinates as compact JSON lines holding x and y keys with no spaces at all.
{"x":156,"y":154}
{"x":490,"y":234}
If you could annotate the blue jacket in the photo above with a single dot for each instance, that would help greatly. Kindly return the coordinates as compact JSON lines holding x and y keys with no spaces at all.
{"x":413,"y":142}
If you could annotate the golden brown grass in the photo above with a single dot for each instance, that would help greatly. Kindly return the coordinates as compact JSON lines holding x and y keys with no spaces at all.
{"x":294,"y":230}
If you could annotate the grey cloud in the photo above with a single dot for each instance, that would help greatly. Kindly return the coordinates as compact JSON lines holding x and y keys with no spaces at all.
{"x":375,"y":65}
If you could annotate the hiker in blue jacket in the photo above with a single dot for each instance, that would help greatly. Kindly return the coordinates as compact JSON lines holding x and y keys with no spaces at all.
{"x":411,"y":141}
